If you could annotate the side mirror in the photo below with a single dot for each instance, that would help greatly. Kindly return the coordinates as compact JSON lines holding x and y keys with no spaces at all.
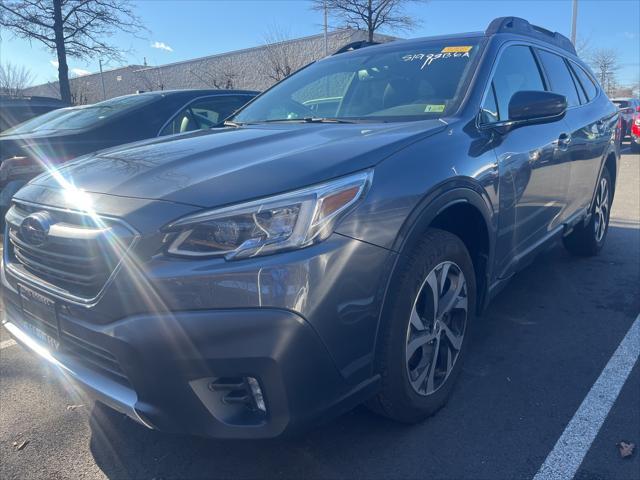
{"x":536,"y":106}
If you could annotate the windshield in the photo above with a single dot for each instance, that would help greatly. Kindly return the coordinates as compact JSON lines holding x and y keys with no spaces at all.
{"x":409,"y":82}
{"x":77,"y":118}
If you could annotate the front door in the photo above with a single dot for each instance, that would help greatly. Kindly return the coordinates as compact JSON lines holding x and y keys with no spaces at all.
{"x":532,"y":160}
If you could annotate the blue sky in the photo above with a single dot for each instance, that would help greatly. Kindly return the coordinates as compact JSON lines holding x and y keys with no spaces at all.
{"x":183,"y":29}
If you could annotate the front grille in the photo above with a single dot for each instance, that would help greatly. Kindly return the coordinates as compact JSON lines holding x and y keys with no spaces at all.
{"x":78,"y":255}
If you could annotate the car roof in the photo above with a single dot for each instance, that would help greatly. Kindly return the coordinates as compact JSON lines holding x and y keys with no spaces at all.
{"x":33,"y":101}
{"x":198,"y":92}
{"x":503,"y":26}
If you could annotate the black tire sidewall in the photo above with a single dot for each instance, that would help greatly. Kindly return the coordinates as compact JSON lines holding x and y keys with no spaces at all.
{"x":438,"y":246}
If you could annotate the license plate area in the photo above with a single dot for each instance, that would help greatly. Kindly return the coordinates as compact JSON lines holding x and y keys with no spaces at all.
{"x":39,"y":316}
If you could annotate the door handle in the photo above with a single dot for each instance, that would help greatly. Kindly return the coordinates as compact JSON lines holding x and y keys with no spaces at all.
{"x":564,"y":140}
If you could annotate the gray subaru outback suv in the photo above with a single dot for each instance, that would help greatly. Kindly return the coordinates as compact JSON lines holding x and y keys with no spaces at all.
{"x":332,"y":245}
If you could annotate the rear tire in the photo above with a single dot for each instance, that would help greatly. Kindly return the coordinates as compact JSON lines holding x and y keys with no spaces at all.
{"x":588,"y":239}
{"x":424,"y":336}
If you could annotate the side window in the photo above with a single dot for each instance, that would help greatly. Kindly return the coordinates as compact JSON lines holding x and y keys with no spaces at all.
{"x":182,"y":122}
{"x":517,"y":70}
{"x":559,"y":76}
{"x":581,"y":93}
{"x":585,"y":80}
{"x":204,"y":113}
{"x":489,"y":112}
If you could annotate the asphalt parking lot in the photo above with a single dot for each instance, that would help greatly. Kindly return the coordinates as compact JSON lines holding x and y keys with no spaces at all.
{"x":535,"y":357}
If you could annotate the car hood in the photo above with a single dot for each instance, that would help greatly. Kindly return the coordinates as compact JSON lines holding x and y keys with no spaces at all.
{"x":219,"y":167}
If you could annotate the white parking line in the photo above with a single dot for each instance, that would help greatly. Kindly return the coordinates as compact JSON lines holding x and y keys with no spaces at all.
{"x":7,"y":344}
{"x":574,"y":443}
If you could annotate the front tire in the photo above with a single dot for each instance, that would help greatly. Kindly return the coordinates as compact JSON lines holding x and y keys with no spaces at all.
{"x":588,"y":239}
{"x":425,"y":332}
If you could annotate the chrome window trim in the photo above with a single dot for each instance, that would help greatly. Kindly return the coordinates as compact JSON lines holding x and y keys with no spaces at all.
{"x":58,"y":293}
{"x":174,"y":115}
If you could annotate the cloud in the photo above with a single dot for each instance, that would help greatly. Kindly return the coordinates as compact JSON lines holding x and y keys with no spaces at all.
{"x":161,"y":46}
{"x":80,"y":72}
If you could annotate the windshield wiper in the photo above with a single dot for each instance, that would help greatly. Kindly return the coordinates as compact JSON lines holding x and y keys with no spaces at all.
{"x":306,"y":120}
{"x":230,"y":123}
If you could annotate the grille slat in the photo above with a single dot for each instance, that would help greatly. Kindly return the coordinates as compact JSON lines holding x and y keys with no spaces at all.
{"x":81,"y":261}
{"x":53,"y":272}
{"x":78,"y":256}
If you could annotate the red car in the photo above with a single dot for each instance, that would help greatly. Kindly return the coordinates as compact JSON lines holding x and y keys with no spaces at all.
{"x":628,"y":108}
{"x":635,"y":133}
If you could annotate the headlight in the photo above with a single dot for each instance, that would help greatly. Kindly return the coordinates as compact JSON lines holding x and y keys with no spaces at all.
{"x":283,"y":222}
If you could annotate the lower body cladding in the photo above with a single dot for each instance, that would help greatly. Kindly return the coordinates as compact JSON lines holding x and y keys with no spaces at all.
{"x":246,"y":372}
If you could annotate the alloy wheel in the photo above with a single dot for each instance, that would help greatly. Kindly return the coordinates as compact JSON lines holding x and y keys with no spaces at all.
{"x":601,"y":210}
{"x":436,"y":328}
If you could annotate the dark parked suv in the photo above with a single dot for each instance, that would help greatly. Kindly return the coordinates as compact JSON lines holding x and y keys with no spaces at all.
{"x":248,"y":281}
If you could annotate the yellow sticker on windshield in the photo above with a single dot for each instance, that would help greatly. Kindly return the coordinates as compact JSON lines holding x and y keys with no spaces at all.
{"x":434,"y":108}
{"x":456,"y":49}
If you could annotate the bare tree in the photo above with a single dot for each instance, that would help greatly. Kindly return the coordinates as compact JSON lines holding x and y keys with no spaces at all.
{"x":222,"y":73}
{"x":370,"y":15}
{"x":75,"y":28}
{"x":605,"y":63}
{"x":282,"y":57}
{"x":583,"y":47}
{"x":14,"y":79}
{"x":150,"y":78}
{"x":79,"y":92}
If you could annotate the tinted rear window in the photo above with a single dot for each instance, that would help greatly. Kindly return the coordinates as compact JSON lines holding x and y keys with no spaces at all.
{"x":85,"y":117}
{"x":587,"y":83}
{"x":621,"y":103}
{"x":559,"y":76}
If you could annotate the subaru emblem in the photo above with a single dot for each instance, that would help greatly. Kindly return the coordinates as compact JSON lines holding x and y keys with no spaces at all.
{"x":34,"y":229}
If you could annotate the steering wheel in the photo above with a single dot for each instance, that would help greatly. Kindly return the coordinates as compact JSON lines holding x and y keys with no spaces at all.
{"x":297,"y":108}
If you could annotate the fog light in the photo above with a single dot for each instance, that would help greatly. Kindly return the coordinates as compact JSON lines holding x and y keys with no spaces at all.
{"x":256,"y":391}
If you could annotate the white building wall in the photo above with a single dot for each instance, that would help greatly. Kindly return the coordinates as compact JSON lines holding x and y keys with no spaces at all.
{"x":250,"y":69}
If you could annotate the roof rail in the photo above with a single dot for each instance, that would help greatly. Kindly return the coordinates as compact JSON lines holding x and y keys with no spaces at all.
{"x":349,"y":47}
{"x":522,"y":27}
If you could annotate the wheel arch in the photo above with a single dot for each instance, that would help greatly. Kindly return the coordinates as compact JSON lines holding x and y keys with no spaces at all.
{"x":611,"y":164}
{"x":436,"y":210}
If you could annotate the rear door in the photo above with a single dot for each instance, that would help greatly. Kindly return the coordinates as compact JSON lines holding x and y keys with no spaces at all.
{"x":592,"y":130}
{"x":582,"y":126}
{"x":532,"y":160}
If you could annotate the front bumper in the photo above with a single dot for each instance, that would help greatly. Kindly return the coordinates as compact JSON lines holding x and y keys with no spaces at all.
{"x":169,"y":362}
